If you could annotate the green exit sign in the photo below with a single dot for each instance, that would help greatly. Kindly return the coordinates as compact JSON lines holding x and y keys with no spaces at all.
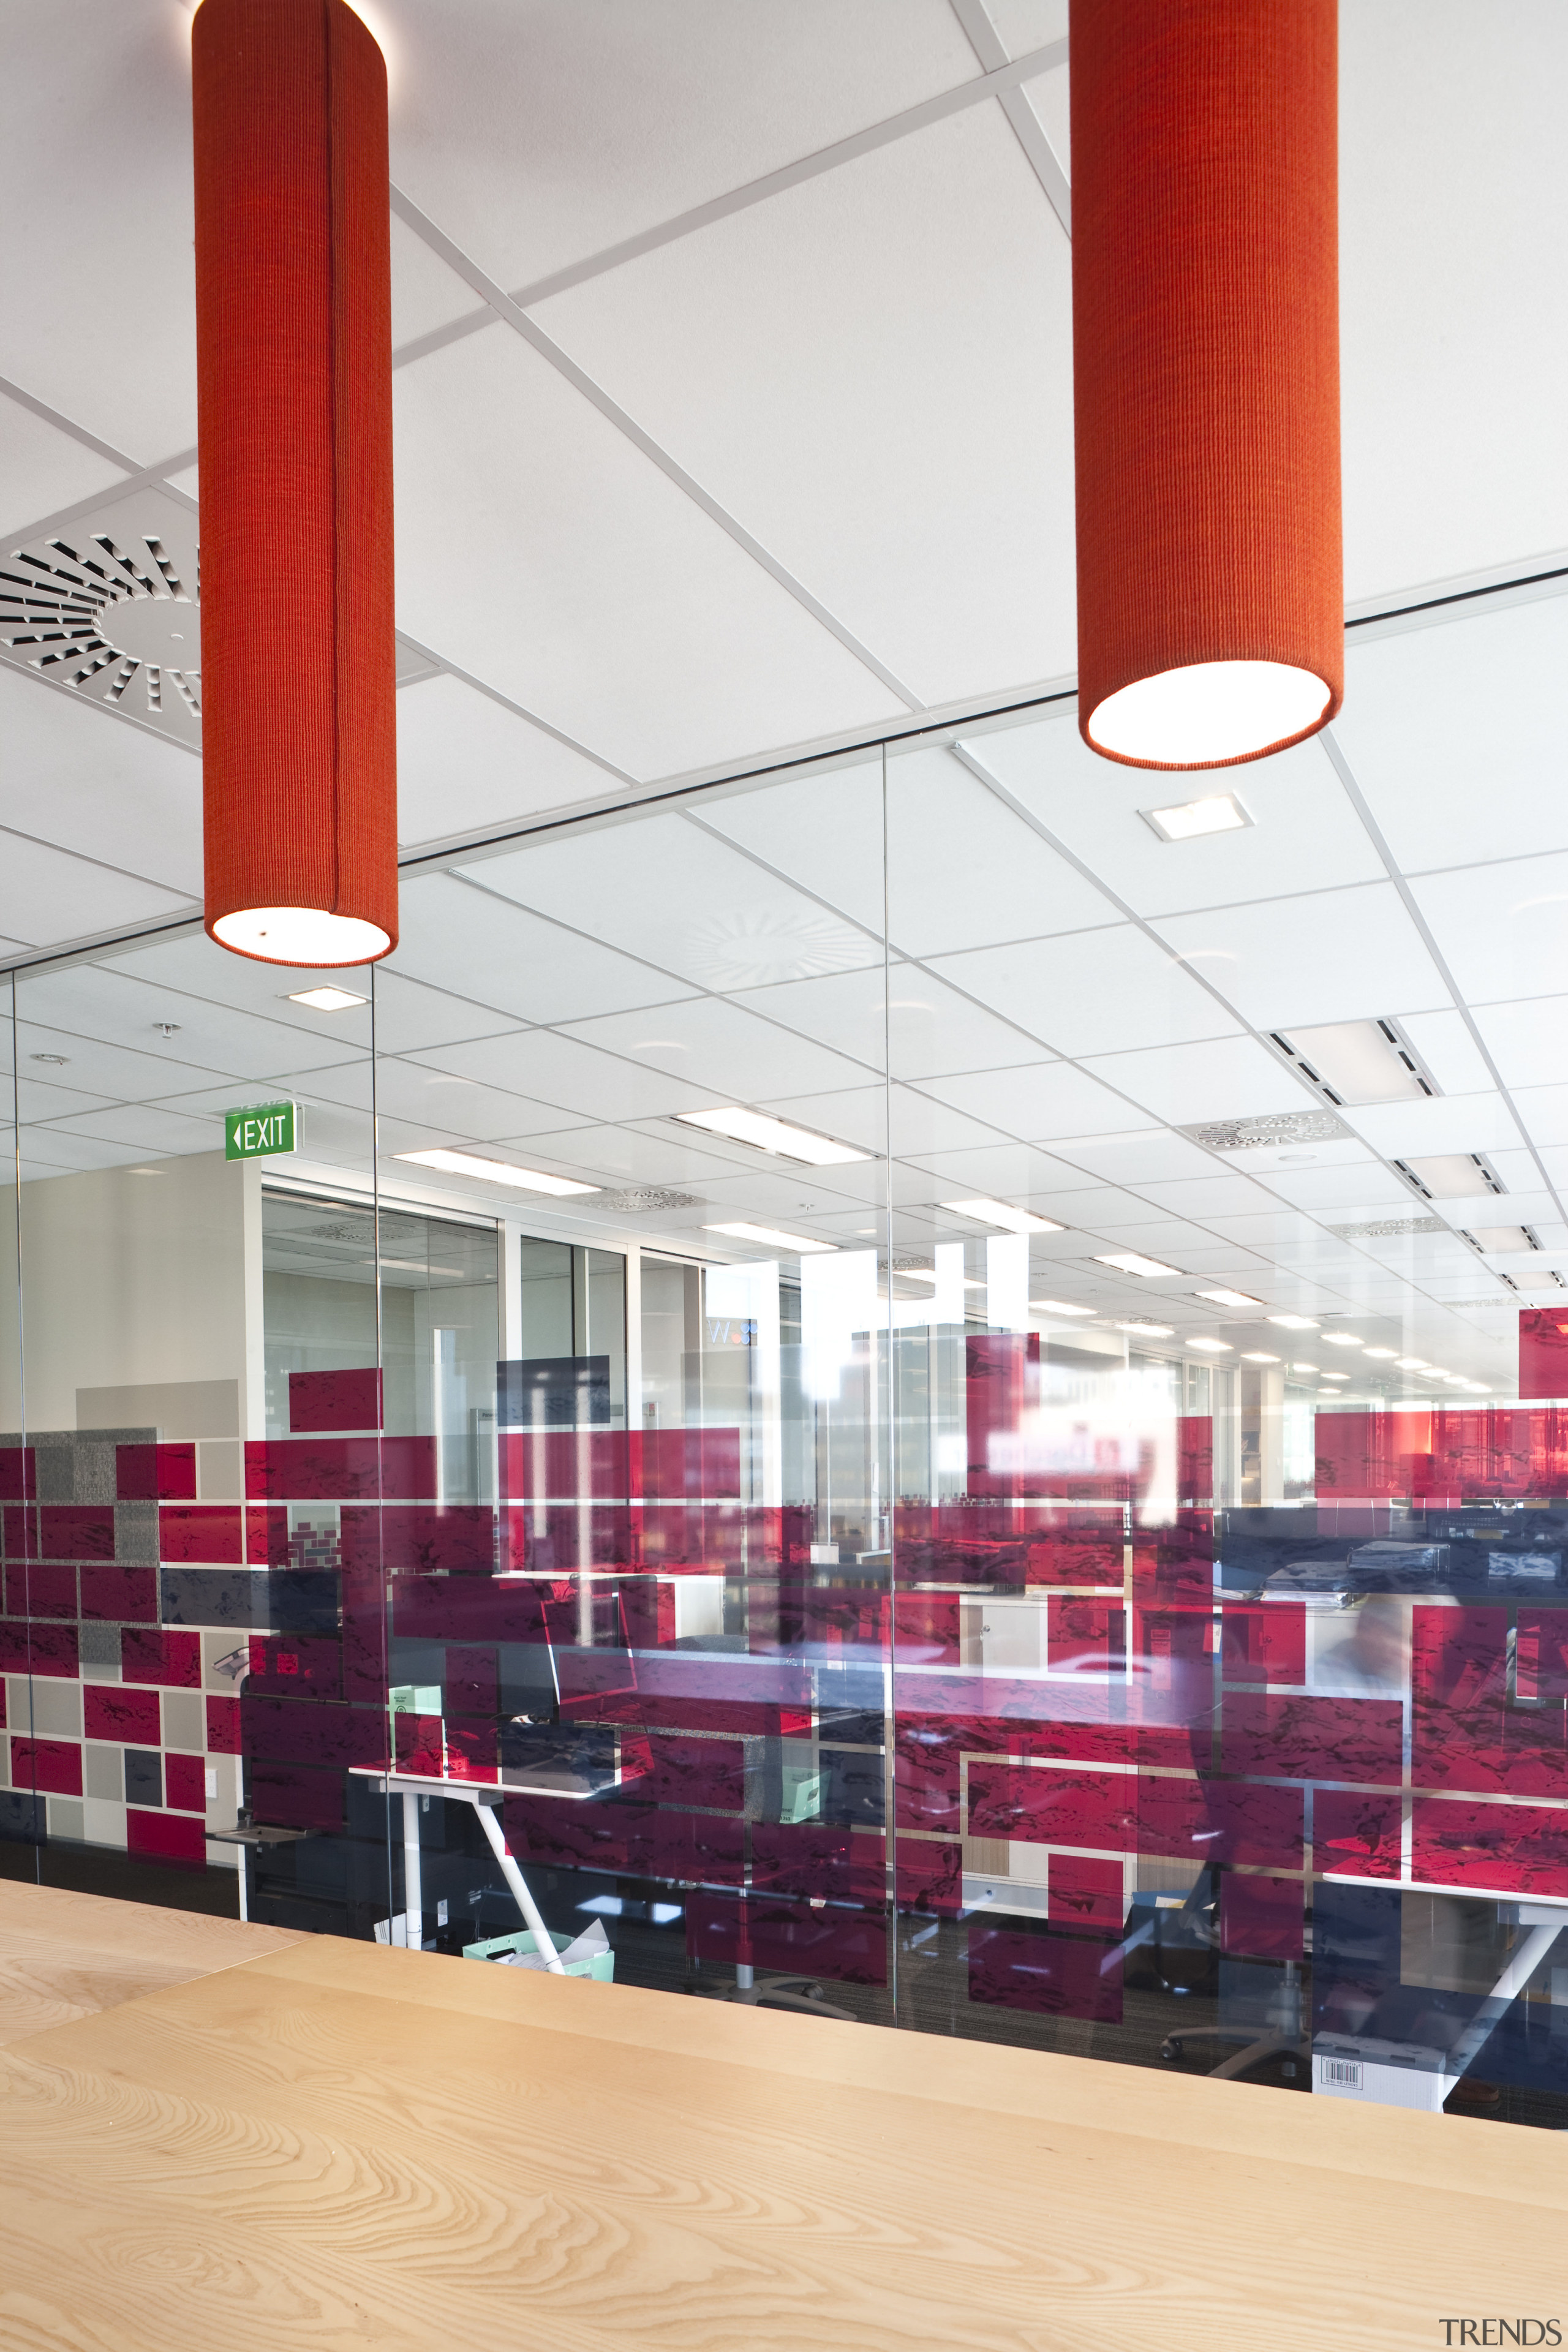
{"x":265,"y":1128}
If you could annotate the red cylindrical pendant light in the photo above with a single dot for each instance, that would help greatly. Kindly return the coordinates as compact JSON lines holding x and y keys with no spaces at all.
{"x":294,"y":383}
{"x":1205,"y":376}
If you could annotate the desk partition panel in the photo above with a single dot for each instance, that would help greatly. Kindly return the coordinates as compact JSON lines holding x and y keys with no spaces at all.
{"x":792,"y":1426}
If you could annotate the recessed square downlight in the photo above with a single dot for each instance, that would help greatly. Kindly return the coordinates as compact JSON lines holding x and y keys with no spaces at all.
{"x":1220,"y":812}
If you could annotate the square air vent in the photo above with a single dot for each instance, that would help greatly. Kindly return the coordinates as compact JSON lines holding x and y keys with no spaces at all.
{"x":1357,"y":1062}
{"x":1274,"y":1127}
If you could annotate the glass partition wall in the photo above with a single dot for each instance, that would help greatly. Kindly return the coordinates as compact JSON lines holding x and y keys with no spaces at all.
{"x":822,"y":1415}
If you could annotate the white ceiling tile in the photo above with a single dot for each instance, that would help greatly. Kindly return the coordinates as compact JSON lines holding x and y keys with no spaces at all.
{"x":1412,"y":1131}
{"x":143,"y":1130}
{"x":1067,"y":1101}
{"x":1223,"y":1078}
{"x":1137,"y":1157}
{"x":1201,"y":1197}
{"x":709,"y":1043}
{"x":98,"y":318}
{"x":1349,"y":1190}
{"x":664,"y":888}
{"x":852,"y":449}
{"x":1544,"y":1110}
{"x":1529,"y":1042}
{"x":549,"y":1070}
{"x":925,"y":1027}
{"x":464,"y":762}
{"x":1092,"y":992}
{"x":1453,"y":288}
{"x":1025,"y":24}
{"x":42,"y":469}
{"x":998,"y":1171}
{"x":426,"y":293}
{"x":539,"y":131}
{"x":1304,"y":835}
{"x":1445,"y":1044}
{"x":586,"y":585}
{"x":466,"y":939}
{"x":47,"y":1151}
{"x":1504,"y":930}
{"x":86,"y":782}
{"x":1025,"y":1102}
{"x":634,"y":1155}
{"x":1458,"y":734}
{"x":1335,"y":955}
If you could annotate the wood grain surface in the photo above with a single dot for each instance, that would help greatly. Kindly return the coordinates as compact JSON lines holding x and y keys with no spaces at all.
{"x":64,"y":1956}
{"x":342,"y":2145}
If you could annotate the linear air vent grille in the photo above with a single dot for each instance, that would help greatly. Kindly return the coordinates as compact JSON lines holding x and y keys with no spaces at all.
{"x":1381,"y":1229}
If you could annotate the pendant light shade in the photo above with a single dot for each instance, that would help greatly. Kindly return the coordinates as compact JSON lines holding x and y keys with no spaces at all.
{"x":294,"y":381}
{"x":1205,"y":376}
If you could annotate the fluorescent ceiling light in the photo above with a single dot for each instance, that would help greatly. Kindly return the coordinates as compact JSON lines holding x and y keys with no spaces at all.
{"x":1293,"y":1322}
{"x":774,"y":1135}
{"x":1357,"y":1062}
{"x":1436,"y":1372}
{"x":1129,"y":1261}
{"x":326,"y":1000}
{"x":1251,"y":1355}
{"x":1211,"y":1347}
{"x":1342,"y":1339}
{"x":1057,"y":1306}
{"x":1150,"y":1331}
{"x":1333,"y":1376}
{"x":997,"y":1213}
{"x":1501,"y":1240}
{"x":494,"y":1171}
{"x":1221,"y":813}
{"x":1412,"y":1364}
{"x":1449,"y":1175}
{"x":1204,"y":714}
{"x":1228,"y":1297}
{"x":1386,"y":1354}
{"x":799,"y":1243}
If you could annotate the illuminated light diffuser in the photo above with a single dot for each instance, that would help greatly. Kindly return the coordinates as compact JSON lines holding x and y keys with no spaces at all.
{"x":299,"y":674}
{"x":1211,"y":1347}
{"x":1344,"y":1339}
{"x":494,"y":1171}
{"x":798,"y":1243}
{"x":774,"y":1135}
{"x":1148,"y":1330}
{"x":1057,"y":1306}
{"x":1412,"y":1364}
{"x":1253,"y":1356}
{"x":1129,"y":1261}
{"x":327,"y":1000}
{"x":997,"y":1213}
{"x":1205,"y":377}
{"x":1293,"y":1322}
{"x":1222,"y":813}
{"x":1227,"y":1298}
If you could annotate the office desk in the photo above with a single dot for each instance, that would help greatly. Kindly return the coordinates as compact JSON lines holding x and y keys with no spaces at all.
{"x":64,"y":1956}
{"x":342,"y":2144}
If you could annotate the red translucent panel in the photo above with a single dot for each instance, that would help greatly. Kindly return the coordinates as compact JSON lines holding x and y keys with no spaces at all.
{"x":471,"y":1748}
{"x":34,"y":1646}
{"x":707,"y":1772}
{"x":166,"y":1837}
{"x":1543,"y":1352}
{"x":1541,"y":1654}
{"x":206,"y":1532}
{"x":119,"y":1595}
{"x":294,"y":1665}
{"x":776,"y":1933}
{"x":76,"y":1530}
{"x":1084,"y":1633}
{"x":1288,"y":1736}
{"x":1069,"y":1558}
{"x":340,"y":1469}
{"x":307,"y":1731}
{"x":346,"y":1400}
{"x":33,"y":1590}
{"x":295,"y":1796}
{"x":223,"y":1725}
{"x":1048,"y":1806}
{"x":111,"y":1711}
{"x":818,"y":1858}
{"x":1084,"y":1892}
{"x":155,"y":1474}
{"x":929,"y":1875}
{"x":1522,"y":1849}
{"x":1221,"y":1821}
{"x":53,"y":1766}
{"x":184,"y":1783}
{"x":1355,"y":1833}
{"x":1055,"y":1976}
{"x":468,"y":1609}
{"x":19,"y":1473}
{"x":1261,"y":1916}
{"x":1263,"y":1641}
{"x":156,"y":1653}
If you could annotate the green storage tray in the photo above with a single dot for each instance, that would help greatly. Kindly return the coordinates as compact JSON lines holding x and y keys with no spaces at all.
{"x":601,"y":1967}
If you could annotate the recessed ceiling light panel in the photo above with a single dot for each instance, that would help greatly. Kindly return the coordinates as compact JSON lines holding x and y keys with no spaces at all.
{"x":494,"y":1171}
{"x":1220,"y":812}
{"x":1228,"y":1297}
{"x":326,"y":1000}
{"x":1293,"y":1322}
{"x":999,"y":1213}
{"x":776,"y":1136}
{"x":798,"y":1244}
{"x":1210,"y":1346}
{"x":1057,"y":1306}
{"x":1130,"y":1261}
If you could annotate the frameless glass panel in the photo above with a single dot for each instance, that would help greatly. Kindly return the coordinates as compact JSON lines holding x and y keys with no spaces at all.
{"x":186,"y":1522}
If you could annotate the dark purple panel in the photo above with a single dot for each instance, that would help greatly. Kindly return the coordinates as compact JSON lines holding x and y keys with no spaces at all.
{"x":1288,"y":1737}
{"x":167,"y":1837}
{"x":152,"y":1654}
{"x":307,"y":1731}
{"x":344,"y":1399}
{"x":1057,"y":1976}
{"x":53,"y":1766}
{"x":30,"y":1645}
{"x":1085,"y":1892}
{"x":929,"y":1874}
{"x":1260,"y":1917}
{"x":1355,"y":1833}
{"x":294,"y":1796}
{"x":33,"y":1590}
{"x":110,"y":1711}
{"x":76,"y":1530}
{"x":208,"y":1532}
{"x":710,"y":1772}
{"x":817,"y":1858}
{"x":340,"y":1469}
{"x":125,"y":1596}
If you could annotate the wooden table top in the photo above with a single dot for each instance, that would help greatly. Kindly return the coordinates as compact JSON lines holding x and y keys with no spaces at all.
{"x":64,"y":1956}
{"x":342,"y":2145}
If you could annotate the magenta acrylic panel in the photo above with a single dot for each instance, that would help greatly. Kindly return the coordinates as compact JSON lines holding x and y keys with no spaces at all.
{"x":1084,"y":1892}
{"x":34,"y":1646}
{"x":222,"y":1727}
{"x":294,"y":1796}
{"x":466,"y":1609}
{"x":1357,"y":1835}
{"x":18,"y":1474}
{"x":184,"y":1783}
{"x":1053,"y":1807}
{"x":1518,"y":1849}
{"x":340,"y":1469}
{"x":1261,"y":1917}
{"x":705,"y":1773}
{"x":155,"y":1474}
{"x":1287,"y":1737}
{"x":818,"y":1858}
{"x":771,"y":1933}
{"x":38,"y":1589}
{"x":166,"y":1837}
{"x":929,"y":1875}
{"x":208,"y":1533}
{"x":329,"y":1401}
{"x":50,"y":1766}
{"x":1263,"y":1641}
{"x":124,"y":1596}
{"x":307,"y":1731}
{"x":133,"y":1718}
{"x":1055,"y":1976}
{"x":427,"y":1539}
{"x":156,"y":1653}
{"x":294,"y":1665}
{"x":76,"y":1530}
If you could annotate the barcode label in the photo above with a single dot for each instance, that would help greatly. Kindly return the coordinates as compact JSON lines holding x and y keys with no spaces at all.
{"x":1343,"y":2070}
